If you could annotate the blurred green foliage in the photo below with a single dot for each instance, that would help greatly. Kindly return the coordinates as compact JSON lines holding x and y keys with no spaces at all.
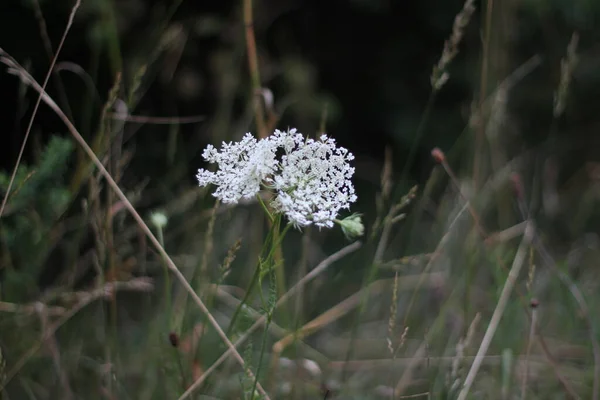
{"x":37,"y":201}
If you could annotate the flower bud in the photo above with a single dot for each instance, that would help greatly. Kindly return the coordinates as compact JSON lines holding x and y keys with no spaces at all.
{"x":352,"y":226}
{"x":438,"y":155}
{"x":158,"y":219}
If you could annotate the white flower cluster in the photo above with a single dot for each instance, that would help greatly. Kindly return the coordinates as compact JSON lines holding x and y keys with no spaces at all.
{"x":310,"y":178}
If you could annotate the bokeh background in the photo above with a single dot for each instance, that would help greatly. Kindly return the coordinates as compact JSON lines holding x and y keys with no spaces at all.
{"x":148,"y":84}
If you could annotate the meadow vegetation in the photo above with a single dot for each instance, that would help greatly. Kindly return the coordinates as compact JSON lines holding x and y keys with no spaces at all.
{"x":172,"y":257}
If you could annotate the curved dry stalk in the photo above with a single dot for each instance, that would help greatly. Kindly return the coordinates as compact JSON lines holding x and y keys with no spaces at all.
{"x":500,"y":307}
{"x":37,"y":104}
{"x":298,"y":286}
{"x":16,"y":69}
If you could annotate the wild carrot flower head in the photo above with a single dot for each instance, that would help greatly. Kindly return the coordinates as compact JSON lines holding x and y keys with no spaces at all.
{"x":242,"y":166}
{"x":313,"y":181}
{"x":310,"y":179}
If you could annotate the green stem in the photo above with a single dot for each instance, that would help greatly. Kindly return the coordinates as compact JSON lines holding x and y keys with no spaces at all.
{"x":161,"y":240}
{"x":251,"y":286}
{"x":263,"y":348}
{"x":265,"y":208}
{"x":272,"y":242}
{"x":254,"y":281}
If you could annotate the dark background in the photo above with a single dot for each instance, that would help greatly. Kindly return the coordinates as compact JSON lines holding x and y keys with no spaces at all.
{"x":369,"y":60}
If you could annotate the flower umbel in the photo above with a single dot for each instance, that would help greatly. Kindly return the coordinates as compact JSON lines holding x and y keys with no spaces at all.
{"x":311,"y":179}
{"x":242,"y":168}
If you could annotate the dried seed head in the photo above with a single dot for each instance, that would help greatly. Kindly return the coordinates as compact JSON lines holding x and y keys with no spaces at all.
{"x":534,"y":303}
{"x":438,"y":155}
{"x":439,"y":76}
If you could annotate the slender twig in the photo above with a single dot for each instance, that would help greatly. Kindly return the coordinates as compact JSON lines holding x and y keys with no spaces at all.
{"x":506,"y":234}
{"x":499,"y":311}
{"x":37,"y":104}
{"x":27,"y":309}
{"x":16,"y":69}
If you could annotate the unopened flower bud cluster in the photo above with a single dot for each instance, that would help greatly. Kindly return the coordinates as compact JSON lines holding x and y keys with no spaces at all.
{"x":310,"y":178}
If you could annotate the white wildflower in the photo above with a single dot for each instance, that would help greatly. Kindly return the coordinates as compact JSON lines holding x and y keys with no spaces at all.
{"x":242,"y":166}
{"x":311,"y":178}
{"x":313,"y":182}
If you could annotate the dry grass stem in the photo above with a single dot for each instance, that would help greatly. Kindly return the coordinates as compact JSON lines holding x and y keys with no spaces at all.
{"x":459,"y":357}
{"x":388,"y":222}
{"x":506,"y":234}
{"x":529,"y":344}
{"x":34,"y":308}
{"x":499,"y":310}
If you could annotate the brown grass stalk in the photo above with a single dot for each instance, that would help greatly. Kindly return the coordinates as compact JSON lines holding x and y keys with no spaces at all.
{"x":498,"y":311}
